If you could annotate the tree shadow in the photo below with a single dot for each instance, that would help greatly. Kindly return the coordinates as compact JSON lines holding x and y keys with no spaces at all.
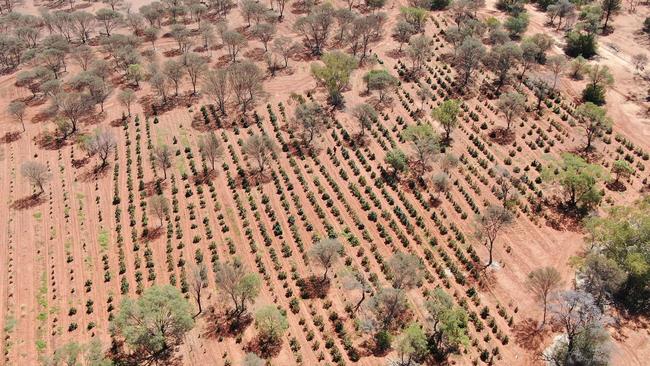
{"x":10,"y":137}
{"x":120,"y":356}
{"x":313,"y":287}
{"x":529,"y":335}
{"x":28,"y":202}
{"x":264,"y":348}
{"x":48,"y":141}
{"x":95,"y":173}
{"x":502,"y":136}
{"x":220,"y":323}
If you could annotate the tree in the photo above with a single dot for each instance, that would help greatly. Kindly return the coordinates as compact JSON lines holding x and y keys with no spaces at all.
{"x":365,"y":114}
{"x":161,"y":158}
{"x":271,"y":325}
{"x":261,"y":149}
{"x":447,"y":115}
{"x":578,"y":180}
{"x":264,"y":32}
{"x":67,"y":355}
{"x":252,"y":359}
{"x":397,"y":160}
{"x":215,"y":84}
{"x":173,"y":71}
{"x":600,"y":78}
{"x":622,"y":168}
{"x":36,"y":173}
{"x":84,"y":56}
{"x":611,"y":236}
{"x":557,"y":64}
{"x":517,"y":25}
{"x":126,"y":98}
{"x":593,"y":119}
{"x":344,"y":19}
{"x":418,"y":50}
{"x":387,"y":309}
{"x":585,"y":338}
{"x":448,"y":162}
{"x":468,"y":58}
{"x":245,"y":80}
{"x":543,"y":283}
{"x":310,"y":121}
{"x":402,"y":32}
{"x":73,"y":106}
{"x":416,"y":17}
{"x":334,"y":74}
{"x":17,"y":110}
{"x":234,"y":42}
{"x":424,"y":140}
{"x":195,"y":66}
{"x":211,"y":149}
{"x":412,"y":345}
{"x":610,"y":7}
{"x":562,"y":9}
{"x":155,"y":323}
{"x":580,"y":44}
{"x":102,"y":143}
{"x":240,"y":285}
{"x":381,"y":81}
{"x":160,"y":84}
{"x":490,"y":224}
{"x":326,"y":253}
{"x":541,"y":89}
{"x":640,"y":60}
{"x":448,"y":324}
{"x":109,"y":18}
{"x":315,"y":27}
{"x":505,"y":188}
{"x":601,"y":277}
{"x":405,"y":270}
{"x":151,"y":35}
{"x":501,"y":59}
{"x":353,"y":280}
{"x":440,"y":183}
{"x":198,"y":282}
{"x":159,"y":207}
{"x":135,"y":73}
{"x":94,"y":356}
{"x":286,"y":47}
{"x":512,"y":105}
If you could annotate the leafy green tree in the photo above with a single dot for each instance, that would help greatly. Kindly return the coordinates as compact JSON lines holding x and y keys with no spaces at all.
{"x":593,"y":119}
{"x":543,"y":283}
{"x":517,"y":25}
{"x":240,"y":285}
{"x":578,"y":180}
{"x":419,"y":50}
{"x":425,"y":141}
{"x":411,"y":345}
{"x":612,"y":236}
{"x":155,"y":323}
{"x":335,"y":74}
{"x":600,"y":78}
{"x":448,"y":325}
{"x":610,"y":7}
{"x":381,"y":81}
{"x":417,"y":17}
{"x":271,"y":325}
{"x":447,"y":114}
{"x":397,"y":160}
{"x":622,"y":168}
{"x":580,"y":44}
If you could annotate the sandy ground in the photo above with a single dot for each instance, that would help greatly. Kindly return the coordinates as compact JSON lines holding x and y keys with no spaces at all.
{"x":40,"y":284}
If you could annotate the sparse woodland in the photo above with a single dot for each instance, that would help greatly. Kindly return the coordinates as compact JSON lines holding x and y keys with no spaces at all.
{"x":300,"y":182}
